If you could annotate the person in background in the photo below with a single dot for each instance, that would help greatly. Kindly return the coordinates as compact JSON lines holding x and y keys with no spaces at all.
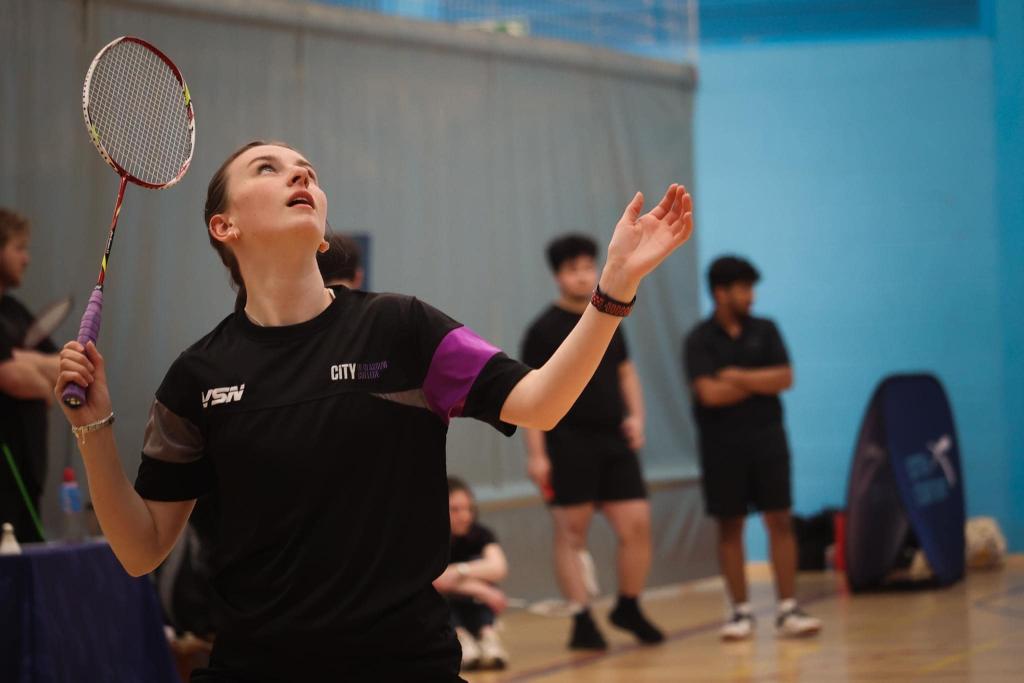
{"x":469,"y":583}
{"x":342,"y":263}
{"x":26,"y":388}
{"x":589,"y":460}
{"x":736,"y":366}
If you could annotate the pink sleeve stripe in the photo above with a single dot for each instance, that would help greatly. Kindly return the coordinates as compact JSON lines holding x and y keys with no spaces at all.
{"x":456,"y":364}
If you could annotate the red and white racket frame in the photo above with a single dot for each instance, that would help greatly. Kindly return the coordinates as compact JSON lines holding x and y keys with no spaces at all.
{"x":94,"y":135}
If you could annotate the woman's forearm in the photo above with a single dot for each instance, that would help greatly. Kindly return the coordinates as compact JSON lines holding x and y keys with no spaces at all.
{"x":545,"y":395}
{"x":140,"y":532}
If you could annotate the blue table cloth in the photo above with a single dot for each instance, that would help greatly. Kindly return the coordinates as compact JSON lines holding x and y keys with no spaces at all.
{"x":69,"y":612}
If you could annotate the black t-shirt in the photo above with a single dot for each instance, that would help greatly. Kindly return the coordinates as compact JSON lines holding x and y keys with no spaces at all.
{"x":471,"y":546}
{"x":23,"y":422}
{"x":708,"y":349}
{"x":324,"y":446}
{"x":600,"y":405}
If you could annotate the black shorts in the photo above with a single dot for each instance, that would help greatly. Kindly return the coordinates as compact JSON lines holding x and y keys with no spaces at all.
{"x":593,"y":466}
{"x":745,"y":474}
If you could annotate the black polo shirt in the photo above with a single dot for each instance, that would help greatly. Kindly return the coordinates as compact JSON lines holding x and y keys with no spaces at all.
{"x":601,"y":405}
{"x":23,"y":422}
{"x":323,"y":444}
{"x":709,"y":348}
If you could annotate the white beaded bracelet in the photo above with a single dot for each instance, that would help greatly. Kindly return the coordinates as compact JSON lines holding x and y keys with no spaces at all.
{"x":80,"y":432}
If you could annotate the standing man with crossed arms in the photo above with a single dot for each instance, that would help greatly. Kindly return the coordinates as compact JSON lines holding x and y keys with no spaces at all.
{"x":737,"y":366}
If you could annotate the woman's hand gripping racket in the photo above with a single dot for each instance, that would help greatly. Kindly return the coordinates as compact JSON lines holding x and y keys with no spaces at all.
{"x":139,"y":115}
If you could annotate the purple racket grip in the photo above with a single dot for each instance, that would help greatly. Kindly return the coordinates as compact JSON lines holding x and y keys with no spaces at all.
{"x":88,"y":331}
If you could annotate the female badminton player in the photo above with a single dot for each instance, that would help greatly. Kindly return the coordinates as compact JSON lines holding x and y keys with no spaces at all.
{"x":315,"y":419}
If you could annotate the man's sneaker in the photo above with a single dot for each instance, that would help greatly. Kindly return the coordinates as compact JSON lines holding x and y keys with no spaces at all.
{"x":740,"y":627}
{"x":492,"y":653}
{"x":585,"y":635}
{"x":470,"y":649}
{"x":794,"y":623}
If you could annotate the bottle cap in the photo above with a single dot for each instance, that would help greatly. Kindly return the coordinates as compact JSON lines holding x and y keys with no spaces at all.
{"x":69,"y":474}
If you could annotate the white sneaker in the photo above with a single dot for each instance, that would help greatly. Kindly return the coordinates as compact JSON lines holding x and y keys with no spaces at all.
{"x":795,"y":623}
{"x":470,"y":649}
{"x":492,"y":653}
{"x":740,"y":627}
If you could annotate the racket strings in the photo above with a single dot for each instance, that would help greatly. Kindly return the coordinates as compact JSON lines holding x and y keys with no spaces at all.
{"x":139,"y":111}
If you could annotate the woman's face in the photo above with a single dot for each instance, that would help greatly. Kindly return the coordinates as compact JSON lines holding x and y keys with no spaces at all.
{"x":274,"y":193}
{"x":460,"y":509}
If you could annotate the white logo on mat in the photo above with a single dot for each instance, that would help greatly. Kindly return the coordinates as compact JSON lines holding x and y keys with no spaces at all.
{"x":940,"y":450}
{"x":220,"y":395}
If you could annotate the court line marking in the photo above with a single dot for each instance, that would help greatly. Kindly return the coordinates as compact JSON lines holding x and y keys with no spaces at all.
{"x":948,"y":661}
{"x":581,"y":661}
{"x":984,"y":603}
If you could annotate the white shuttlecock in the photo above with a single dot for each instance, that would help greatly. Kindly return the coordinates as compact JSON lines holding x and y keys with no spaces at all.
{"x":9,"y":544}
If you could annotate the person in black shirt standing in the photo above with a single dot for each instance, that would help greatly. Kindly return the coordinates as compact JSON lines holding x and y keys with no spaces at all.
{"x":318,"y":419}
{"x":22,"y":413}
{"x":737,"y":366}
{"x":476,"y":565}
{"x":589,"y":460}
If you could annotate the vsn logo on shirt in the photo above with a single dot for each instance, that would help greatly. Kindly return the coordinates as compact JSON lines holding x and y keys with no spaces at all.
{"x":215,"y":397}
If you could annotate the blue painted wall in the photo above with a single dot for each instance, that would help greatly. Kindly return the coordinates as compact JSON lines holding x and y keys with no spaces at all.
{"x":1009,"y":63}
{"x":869,"y":157}
{"x":866,"y":179}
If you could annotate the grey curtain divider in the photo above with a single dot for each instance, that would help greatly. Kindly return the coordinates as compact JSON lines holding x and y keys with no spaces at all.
{"x":460,"y":153}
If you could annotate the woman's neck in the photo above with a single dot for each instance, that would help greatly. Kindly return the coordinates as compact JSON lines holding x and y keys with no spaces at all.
{"x":278,"y":298}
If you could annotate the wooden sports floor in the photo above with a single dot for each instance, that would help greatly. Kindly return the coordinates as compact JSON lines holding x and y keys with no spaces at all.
{"x":973,"y":631}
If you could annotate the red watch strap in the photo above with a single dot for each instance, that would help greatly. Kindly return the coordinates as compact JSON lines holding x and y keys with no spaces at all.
{"x":606,"y":304}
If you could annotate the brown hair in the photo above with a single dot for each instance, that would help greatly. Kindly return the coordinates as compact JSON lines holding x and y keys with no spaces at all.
{"x":342,"y":260}
{"x":11,"y":224}
{"x":217,"y":202}
{"x":455,"y":484}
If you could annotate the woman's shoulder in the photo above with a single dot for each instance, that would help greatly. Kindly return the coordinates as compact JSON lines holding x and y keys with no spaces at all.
{"x":204,"y":351}
{"x":392,"y":308}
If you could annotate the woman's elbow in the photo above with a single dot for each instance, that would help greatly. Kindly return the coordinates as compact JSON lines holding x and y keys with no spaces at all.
{"x":533,"y":418}
{"x":137,"y":566}
{"x":137,"y":569}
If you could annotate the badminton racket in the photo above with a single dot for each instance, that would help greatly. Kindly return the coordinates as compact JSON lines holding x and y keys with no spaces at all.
{"x":46,"y":322}
{"x":138,"y":112}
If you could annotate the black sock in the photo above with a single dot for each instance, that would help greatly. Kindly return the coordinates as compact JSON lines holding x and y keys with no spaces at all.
{"x":627,"y":616}
{"x":585,"y":635}
{"x":628,"y":603}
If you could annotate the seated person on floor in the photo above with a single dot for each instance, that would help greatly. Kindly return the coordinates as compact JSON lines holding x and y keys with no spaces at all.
{"x":469,"y":583}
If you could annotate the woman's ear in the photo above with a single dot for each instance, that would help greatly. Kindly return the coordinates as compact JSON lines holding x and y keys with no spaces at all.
{"x":222,"y":229}
{"x":324,"y":247}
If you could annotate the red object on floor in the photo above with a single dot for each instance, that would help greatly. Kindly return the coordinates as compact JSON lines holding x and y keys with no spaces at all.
{"x":839,"y":526}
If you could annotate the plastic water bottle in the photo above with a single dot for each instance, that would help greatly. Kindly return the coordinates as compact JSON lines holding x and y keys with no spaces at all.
{"x":71,"y":506}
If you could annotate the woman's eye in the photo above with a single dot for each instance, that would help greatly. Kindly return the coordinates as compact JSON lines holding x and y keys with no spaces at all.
{"x":264,"y":167}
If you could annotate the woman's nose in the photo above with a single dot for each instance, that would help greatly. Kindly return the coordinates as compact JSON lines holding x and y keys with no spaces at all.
{"x":300,"y":175}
